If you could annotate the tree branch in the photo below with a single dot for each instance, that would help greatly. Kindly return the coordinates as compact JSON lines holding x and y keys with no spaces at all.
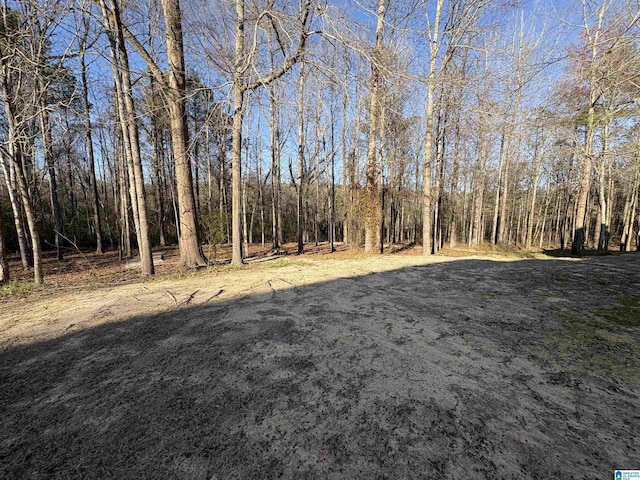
{"x":291,"y":61}
{"x":151,"y":64}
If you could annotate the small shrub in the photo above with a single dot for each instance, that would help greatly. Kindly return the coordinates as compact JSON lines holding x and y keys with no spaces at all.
{"x":214,"y":226}
{"x":16,"y":288}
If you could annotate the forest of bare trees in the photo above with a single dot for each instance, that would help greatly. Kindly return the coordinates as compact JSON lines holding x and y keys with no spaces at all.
{"x":131,"y":124}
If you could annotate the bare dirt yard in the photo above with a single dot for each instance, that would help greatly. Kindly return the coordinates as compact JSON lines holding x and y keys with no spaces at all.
{"x":321,"y":367}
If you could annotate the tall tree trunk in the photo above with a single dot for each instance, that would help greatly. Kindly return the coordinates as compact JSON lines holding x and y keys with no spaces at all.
{"x":190,"y":251}
{"x":130,"y":136}
{"x":14,"y":161}
{"x":579,"y":232}
{"x":453,"y":225}
{"x":274,"y":134}
{"x":603,"y":224}
{"x":479,"y":174}
{"x":441,"y":128}
{"x":236,"y":178}
{"x":47,"y":143}
{"x":222,"y":186}
{"x":354,"y":225}
{"x":537,"y":164}
{"x":495,"y":226}
{"x":240,"y":85}
{"x":95,"y":200}
{"x":4,"y":263}
{"x":632,"y":218}
{"x":274,"y":130}
{"x":158,"y":161}
{"x":504,"y":195}
{"x":209,"y":168}
{"x":301,"y":162}
{"x":372,"y":196}
{"x":236,"y":136}
{"x":195,"y":160}
{"x":137,"y":178}
{"x":245,"y":232}
{"x":120,"y":111}
{"x":16,"y":207}
{"x":427,"y":210}
{"x":346,"y":185}
{"x":119,"y":190}
{"x":332,"y":191}
{"x":629,"y":215}
{"x":316,"y":211}
{"x":29,"y":210}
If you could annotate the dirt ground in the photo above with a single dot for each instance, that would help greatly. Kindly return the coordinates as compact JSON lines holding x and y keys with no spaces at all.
{"x":321,"y":367}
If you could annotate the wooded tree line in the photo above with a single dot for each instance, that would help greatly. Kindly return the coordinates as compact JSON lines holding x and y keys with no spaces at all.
{"x":131,"y":124}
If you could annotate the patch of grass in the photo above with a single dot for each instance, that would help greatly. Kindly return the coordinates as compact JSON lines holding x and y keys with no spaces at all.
{"x":233,"y":268}
{"x":546,"y":294}
{"x":16,"y":288}
{"x":504,"y":251}
{"x":176,"y":275}
{"x":586,"y":346}
{"x":490,"y":295}
{"x":526,"y":254}
{"x":351,"y":253}
{"x":283,"y":262}
{"x":626,"y":313}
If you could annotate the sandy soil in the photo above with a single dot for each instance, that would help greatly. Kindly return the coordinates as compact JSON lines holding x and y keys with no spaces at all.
{"x":377,"y":367}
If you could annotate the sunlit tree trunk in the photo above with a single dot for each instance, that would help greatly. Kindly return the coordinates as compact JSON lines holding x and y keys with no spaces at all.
{"x":4,"y":263}
{"x":301,"y":163}
{"x":129,"y":128}
{"x":157,"y":163}
{"x":453,"y":226}
{"x":579,"y":232}
{"x":47,"y":143}
{"x":16,"y":207}
{"x":190,"y":250}
{"x":372,"y":196}
{"x":427,"y":193}
{"x":534,"y":186}
{"x":274,"y":131}
{"x":495,"y":225}
{"x":95,"y":201}
{"x":236,"y":137}
{"x":346,"y":184}
{"x":12,"y":159}
{"x":602,"y":228}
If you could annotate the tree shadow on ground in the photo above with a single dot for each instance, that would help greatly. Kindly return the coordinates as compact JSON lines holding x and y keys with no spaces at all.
{"x":567,"y":253}
{"x":449,"y":370}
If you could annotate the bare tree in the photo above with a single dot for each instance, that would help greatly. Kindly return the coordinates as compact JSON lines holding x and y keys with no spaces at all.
{"x":242,"y":83}
{"x":174,"y":89}
{"x":95,"y":201}
{"x":373,"y":208}
{"x":130,"y":135}
{"x":593,"y":37}
{"x":444,"y":31}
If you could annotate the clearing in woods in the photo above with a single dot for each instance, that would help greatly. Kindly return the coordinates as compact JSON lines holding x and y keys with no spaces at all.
{"x":393,"y":366}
